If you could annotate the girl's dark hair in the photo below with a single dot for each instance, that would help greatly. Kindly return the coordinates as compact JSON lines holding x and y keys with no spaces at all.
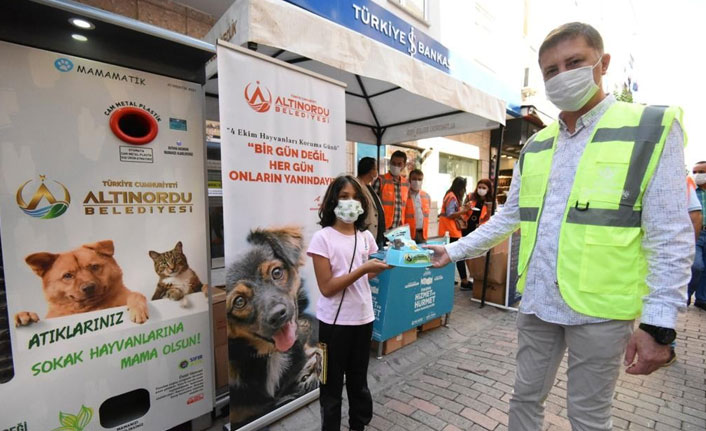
{"x":488,"y":196}
{"x":457,"y":187}
{"x":326,"y":215}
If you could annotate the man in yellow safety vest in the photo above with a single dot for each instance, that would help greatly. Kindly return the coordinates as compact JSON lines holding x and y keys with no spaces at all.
{"x":603,"y":241}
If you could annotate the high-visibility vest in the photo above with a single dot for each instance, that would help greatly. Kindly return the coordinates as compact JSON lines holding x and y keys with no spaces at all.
{"x":387,"y":196}
{"x":409,"y":213}
{"x":484,"y":213}
{"x":601,"y":267}
{"x":448,"y":224}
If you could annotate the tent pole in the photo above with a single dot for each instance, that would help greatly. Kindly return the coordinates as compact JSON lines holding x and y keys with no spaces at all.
{"x":378,"y":139}
{"x":496,"y":140}
{"x":379,"y":132}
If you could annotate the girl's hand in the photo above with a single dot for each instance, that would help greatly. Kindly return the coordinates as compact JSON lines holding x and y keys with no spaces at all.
{"x":375,"y":266}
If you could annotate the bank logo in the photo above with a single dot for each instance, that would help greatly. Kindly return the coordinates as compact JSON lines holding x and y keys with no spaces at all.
{"x":52,"y":208}
{"x":76,"y":422}
{"x":412,"y":49}
{"x":63,"y":64}
{"x":256,"y":98}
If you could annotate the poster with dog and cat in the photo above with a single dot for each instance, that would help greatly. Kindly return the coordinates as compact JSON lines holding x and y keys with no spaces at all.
{"x":104,"y":246}
{"x":282,"y":143}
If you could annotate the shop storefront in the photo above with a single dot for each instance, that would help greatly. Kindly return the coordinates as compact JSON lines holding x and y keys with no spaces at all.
{"x":495,"y":282}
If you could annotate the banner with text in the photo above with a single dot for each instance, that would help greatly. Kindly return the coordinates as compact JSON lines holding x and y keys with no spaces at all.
{"x":282,"y":143}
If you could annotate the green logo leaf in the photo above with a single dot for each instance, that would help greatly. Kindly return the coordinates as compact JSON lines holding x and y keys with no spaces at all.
{"x":67,"y":420}
{"x":84,"y":417}
{"x":77,"y":422}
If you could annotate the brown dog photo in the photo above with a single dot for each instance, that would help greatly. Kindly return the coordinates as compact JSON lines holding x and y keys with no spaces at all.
{"x":81,"y":280}
{"x":272,"y":341}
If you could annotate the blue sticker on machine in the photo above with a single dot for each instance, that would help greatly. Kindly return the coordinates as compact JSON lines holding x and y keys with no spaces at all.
{"x":177,"y":124}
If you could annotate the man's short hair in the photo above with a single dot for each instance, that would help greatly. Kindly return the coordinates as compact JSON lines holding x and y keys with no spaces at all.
{"x":570,"y":31}
{"x":399,"y":154}
{"x":700,"y":163}
{"x":416,"y":172}
{"x":365,"y":165}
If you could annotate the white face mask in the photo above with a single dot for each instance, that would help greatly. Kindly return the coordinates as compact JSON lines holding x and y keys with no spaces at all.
{"x":416,"y":185}
{"x":395,"y":171}
{"x":482,"y":192}
{"x":700,"y":179}
{"x":348,"y":210}
{"x":571,"y":90}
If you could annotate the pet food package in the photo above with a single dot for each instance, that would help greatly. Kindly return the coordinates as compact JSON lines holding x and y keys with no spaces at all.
{"x":102,"y":223}
{"x":401,"y":232}
{"x":403,"y":251}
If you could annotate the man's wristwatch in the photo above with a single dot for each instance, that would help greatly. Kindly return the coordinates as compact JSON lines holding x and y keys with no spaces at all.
{"x":661,"y":335}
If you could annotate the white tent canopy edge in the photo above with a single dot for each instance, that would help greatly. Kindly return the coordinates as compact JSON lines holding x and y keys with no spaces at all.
{"x":389,"y":93}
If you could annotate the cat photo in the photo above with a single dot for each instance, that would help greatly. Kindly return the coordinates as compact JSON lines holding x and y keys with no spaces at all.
{"x":176,"y":279}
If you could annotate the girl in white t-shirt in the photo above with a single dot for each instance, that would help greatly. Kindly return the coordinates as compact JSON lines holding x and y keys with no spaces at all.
{"x":345,"y":308}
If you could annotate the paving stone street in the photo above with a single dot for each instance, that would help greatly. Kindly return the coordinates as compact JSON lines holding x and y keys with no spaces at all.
{"x":460,"y":377}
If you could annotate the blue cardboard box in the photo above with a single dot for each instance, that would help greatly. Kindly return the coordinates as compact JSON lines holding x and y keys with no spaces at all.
{"x":404,"y":298}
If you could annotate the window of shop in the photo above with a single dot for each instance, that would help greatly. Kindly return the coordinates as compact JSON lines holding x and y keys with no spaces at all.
{"x":456,"y":166}
{"x":416,"y":8}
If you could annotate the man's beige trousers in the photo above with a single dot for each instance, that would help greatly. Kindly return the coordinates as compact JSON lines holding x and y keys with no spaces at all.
{"x":595,"y":356}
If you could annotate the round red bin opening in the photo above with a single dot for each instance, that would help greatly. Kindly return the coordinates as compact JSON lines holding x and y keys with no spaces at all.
{"x":133,"y":125}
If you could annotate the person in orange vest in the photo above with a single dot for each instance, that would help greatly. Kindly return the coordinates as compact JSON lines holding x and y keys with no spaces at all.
{"x":393,"y":189}
{"x":417,"y":211}
{"x":451,"y":221}
{"x":478,"y":202}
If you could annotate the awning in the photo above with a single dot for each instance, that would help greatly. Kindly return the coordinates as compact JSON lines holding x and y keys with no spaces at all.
{"x":391,"y":97}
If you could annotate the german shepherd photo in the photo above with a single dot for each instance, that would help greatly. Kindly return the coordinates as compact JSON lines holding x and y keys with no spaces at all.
{"x":272,"y":343}
{"x":80,"y":280}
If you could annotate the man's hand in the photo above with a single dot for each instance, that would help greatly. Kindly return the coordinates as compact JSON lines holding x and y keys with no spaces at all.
{"x":651,"y":355}
{"x":440,"y":258}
